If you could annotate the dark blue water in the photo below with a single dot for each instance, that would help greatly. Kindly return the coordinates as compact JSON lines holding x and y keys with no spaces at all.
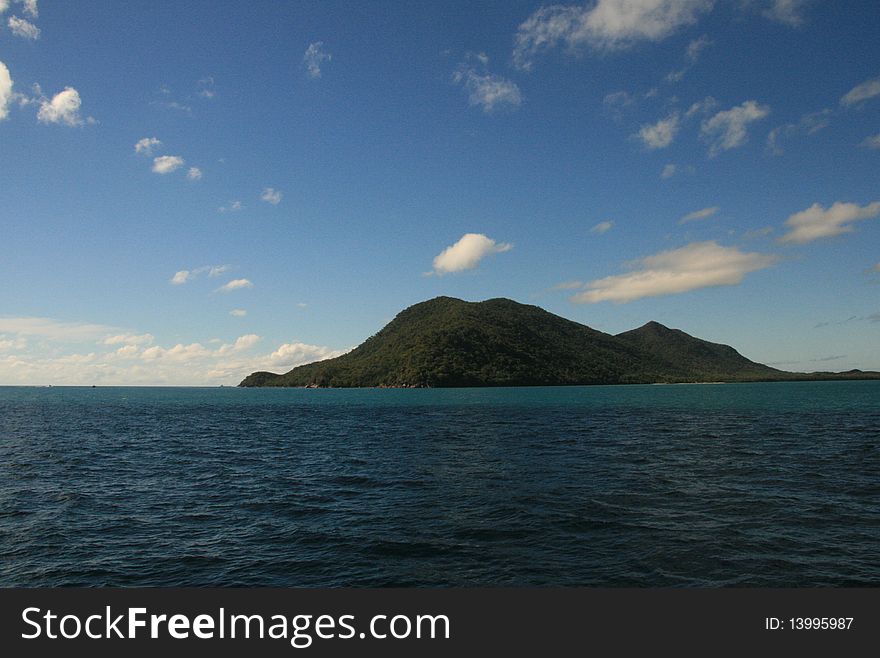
{"x":702,"y":485}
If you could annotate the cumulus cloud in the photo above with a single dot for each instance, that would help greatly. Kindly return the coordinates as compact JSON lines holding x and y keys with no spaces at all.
{"x":29,"y":7}
{"x":234,"y":206}
{"x":271,"y":195}
{"x":62,"y":108}
{"x":146,"y":145}
{"x":180,"y":277}
{"x":22,"y":28}
{"x":602,"y":227}
{"x":659,"y":135}
{"x":817,"y":222}
{"x":871,"y":142}
{"x":314,"y":57}
{"x":485,"y":89}
{"x":238,"y":313}
{"x":194,"y":173}
{"x":5,"y":91}
{"x":235,"y":284}
{"x":697,"y":265}
{"x":467,"y":253}
{"x":603,"y":25}
{"x":165,"y":164}
{"x":699,"y":214}
{"x":866,"y":90}
{"x":729,"y":128}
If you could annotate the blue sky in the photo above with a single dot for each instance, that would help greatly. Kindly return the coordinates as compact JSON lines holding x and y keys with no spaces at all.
{"x":195,"y":190}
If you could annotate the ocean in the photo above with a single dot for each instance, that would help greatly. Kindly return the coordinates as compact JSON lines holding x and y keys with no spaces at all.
{"x":771,"y":485}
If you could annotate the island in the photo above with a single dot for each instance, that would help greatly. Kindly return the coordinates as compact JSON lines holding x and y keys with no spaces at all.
{"x":448,"y":342}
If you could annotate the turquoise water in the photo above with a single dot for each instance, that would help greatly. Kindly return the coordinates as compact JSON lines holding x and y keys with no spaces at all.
{"x":685,"y":485}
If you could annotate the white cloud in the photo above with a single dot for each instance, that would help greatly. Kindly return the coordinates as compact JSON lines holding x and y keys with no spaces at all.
{"x":180,"y":277}
{"x":5,"y":91}
{"x":701,"y":107}
{"x":696,"y":47}
{"x":603,"y":25}
{"x":659,"y":135}
{"x":872,"y":142}
{"x":29,"y":7}
{"x":786,"y":11}
{"x":697,"y":265}
{"x":486,"y":89}
{"x":63,"y":108}
{"x":4,"y":5}
{"x":862,"y":92}
{"x":184,"y":276}
{"x":234,"y":206}
{"x":729,"y":128}
{"x":235,"y":284}
{"x":314,"y":57}
{"x":194,"y":173}
{"x":699,"y":214}
{"x":165,"y":164}
{"x":128,"y":339}
{"x":271,"y":195}
{"x":146,"y":145}
{"x":238,"y":313}
{"x":53,"y":329}
{"x":602,"y":227}
{"x":467,"y":253}
{"x":816,"y":222}
{"x":808,"y":123}
{"x":205,"y":87}
{"x":22,"y":28}
{"x":668,"y":171}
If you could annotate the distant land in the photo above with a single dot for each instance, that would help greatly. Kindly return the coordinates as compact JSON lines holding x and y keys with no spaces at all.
{"x":448,"y":342}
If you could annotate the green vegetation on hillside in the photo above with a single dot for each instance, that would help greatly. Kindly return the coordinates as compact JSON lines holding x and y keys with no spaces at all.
{"x":447,"y":342}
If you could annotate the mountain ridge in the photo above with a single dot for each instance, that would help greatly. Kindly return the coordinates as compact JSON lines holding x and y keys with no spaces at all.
{"x":448,"y":342}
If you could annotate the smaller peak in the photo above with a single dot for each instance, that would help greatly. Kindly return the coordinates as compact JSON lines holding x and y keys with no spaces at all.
{"x":655,"y":326}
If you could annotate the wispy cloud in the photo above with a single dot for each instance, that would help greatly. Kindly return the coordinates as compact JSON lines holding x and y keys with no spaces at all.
{"x":697,"y":265}
{"x":147,"y":145}
{"x":871,"y":142}
{"x":271,"y":195}
{"x":238,"y":313}
{"x":668,"y":171}
{"x":809,"y":124}
{"x":234,"y":206}
{"x":54,"y":329}
{"x":789,"y":12}
{"x":486,"y":90}
{"x":194,"y":173}
{"x":165,"y":164}
{"x":860,"y":93}
{"x":185,"y":276}
{"x":602,"y":227}
{"x":467,"y":253}
{"x":205,"y":87}
{"x":698,"y":215}
{"x":314,"y":58}
{"x":692,"y":55}
{"x":660,"y":134}
{"x":23,"y":28}
{"x":818,"y":222}
{"x":235,"y":284}
{"x":729,"y":129}
{"x":603,"y":25}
